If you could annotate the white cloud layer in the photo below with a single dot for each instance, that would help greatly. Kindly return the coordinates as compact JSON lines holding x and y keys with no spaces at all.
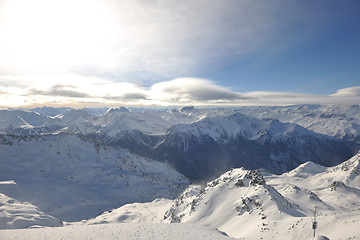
{"x":348,"y":92}
{"x":80,"y":92}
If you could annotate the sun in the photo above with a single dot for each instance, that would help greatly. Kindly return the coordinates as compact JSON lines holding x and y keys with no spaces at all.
{"x":54,"y":36}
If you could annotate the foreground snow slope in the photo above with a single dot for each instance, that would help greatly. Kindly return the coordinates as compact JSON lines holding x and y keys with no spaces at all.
{"x":242,"y":203}
{"x":133,"y":231}
{"x":253,"y":205}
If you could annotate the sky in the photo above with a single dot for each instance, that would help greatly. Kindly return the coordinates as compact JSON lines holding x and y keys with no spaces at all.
{"x":95,"y":53}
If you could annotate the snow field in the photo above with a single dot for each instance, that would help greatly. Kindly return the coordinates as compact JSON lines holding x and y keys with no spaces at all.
{"x":128,"y":231}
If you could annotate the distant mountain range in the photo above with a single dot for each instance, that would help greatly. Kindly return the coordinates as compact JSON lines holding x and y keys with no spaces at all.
{"x":203,"y":143}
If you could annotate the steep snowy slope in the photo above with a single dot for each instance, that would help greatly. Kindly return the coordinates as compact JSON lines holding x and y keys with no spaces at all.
{"x":348,"y":172}
{"x":74,"y":117}
{"x":49,"y":111}
{"x":335,"y":188}
{"x":258,"y":205}
{"x":74,"y":179}
{"x":15,"y":214}
{"x":12,"y":119}
{"x":209,"y":147}
{"x":342,"y":121}
{"x":239,"y":203}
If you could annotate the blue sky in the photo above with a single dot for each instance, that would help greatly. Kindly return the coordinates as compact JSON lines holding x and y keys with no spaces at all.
{"x":327,"y":60}
{"x":220,"y":52}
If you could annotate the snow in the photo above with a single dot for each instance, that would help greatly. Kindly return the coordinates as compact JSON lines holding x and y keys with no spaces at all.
{"x":133,"y":231}
{"x":8,"y":182}
{"x":321,"y":238}
{"x":15,"y":214}
{"x":307,"y":169}
{"x":52,"y":175}
{"x":342,"y":121}
{"x":222,"y":128}
{"x":74,"y":179}
{"x":253,"y":205}
{"x":149,"y":212}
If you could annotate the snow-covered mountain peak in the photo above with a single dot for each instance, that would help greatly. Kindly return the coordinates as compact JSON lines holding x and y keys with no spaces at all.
{"x":306,"y":169}
{"x":187,"y":109}
{"x":340,"y":188}
{"x":347,"y":172}
{"x":237,"y":194}
{"x":50,"y":111}
{"x":341,"y":121}
{"x":11,"y":119}
{"x":119,"y":109}
{"x":224,"y":127}
{"x":245,"y":178}
{"x":74,"y":117}
{"x":352,"y":165}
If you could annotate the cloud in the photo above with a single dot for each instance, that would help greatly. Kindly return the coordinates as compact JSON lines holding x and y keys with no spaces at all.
{"x":284,"y":98}
{"x":192,"y":89}
{"x":342,"y":96}
{"x":59,"y":91}
{"x":348,"y":92}
{"x":128,"y":96}
{"x":77,"y":90}
{"x":2,"y":92}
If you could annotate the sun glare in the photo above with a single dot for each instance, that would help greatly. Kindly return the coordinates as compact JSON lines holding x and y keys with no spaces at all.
{"x":52,"y":36}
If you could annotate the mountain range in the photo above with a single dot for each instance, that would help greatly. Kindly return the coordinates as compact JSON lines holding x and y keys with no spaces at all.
{"x":203,"y":143}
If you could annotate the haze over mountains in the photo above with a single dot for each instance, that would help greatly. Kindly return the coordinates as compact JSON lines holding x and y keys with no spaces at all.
{"x":67,"y":165}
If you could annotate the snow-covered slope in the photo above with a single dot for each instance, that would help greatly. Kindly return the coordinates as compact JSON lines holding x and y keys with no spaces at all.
{"x":342,"y":121}
{"x":254,"y":204}
{"x":73,"y":179}
{"x":15,"y":214}
{"x":12,"y":119}
{"x":247,"y":204}
{"x":49,"y":111}
{"x":209,"y":147}
{"x":149,"y":212}
{"x":239,"y":203}
{"x":203,"y":143}
{"x":138,"y":231}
